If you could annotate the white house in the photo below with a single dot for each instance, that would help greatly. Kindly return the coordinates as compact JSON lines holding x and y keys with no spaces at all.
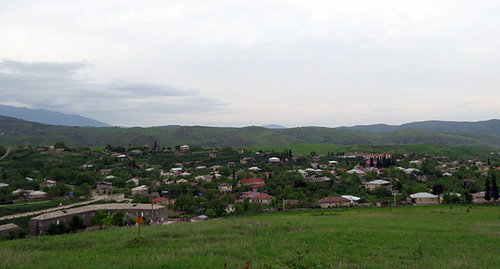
{"x":423,"y":198}
{"x":274,"y":160}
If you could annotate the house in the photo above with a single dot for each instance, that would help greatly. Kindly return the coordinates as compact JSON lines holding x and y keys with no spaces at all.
{"x":332,"y":163}
{"x":103,"y":187}
{"x":372,"y":185}
{"x":184,"y":148}
{"x":225,"y":187}
{"x":256,"y":186}
{"x":248,"y":160}
{"x":330,"y":202}
{"x":48,"y":183}
{"x":140,"y":190}
{"x":35,"y":195}
{"x":274,"y":160}
{"x":42,"y":222}
{"x":134,"y":180}
{"x":7,"y":228}
{"x":160,"y":200}
{"x":356,"y":171}
{"x":176,"y":170}
{"x":256,"y":197}
{"x":423,"y":198}
{"x":354,"y":199}
{"x":251,"y":181}
{"x":478,"y":198}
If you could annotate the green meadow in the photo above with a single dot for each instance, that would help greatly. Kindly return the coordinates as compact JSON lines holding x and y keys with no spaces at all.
{"x":403,"y":237}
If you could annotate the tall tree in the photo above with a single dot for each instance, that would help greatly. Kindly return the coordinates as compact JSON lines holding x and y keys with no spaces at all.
{"x":487,"y":191}
{"x":494,"y":188}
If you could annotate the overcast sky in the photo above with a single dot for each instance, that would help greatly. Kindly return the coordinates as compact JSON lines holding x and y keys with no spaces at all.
{"x":241,"y":63}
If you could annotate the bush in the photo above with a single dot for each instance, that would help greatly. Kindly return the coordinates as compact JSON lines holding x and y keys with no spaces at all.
{"x":210,"y":213}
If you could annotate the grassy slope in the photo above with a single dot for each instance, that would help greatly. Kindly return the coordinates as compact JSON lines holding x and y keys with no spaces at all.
{"x":411,"y":237}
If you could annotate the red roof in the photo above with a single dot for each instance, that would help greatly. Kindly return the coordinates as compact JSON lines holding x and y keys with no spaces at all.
{"x":249,"y":181}
{"x":160,"y":199}
{"x":258,"y":185}
{"x":333,"y":200}
{"x":263,"y":196}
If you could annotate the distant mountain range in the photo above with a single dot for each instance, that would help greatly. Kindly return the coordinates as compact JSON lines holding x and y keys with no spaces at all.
{"x":479,"y":127}
{"x":49,"y":117}
{"x":484,"y":134}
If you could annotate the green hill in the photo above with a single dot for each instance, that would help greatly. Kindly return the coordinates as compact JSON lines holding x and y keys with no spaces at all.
{"x":14,"y":132}
{"x":405,"y":237}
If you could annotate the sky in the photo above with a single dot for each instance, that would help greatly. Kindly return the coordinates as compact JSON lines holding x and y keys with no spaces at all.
{"x":242,"y":63}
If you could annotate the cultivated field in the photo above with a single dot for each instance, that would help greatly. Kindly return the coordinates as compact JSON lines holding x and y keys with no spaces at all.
{"x":407,"y":237}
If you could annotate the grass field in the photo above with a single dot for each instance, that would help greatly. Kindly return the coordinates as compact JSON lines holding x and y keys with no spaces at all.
{"x":407,"y":237}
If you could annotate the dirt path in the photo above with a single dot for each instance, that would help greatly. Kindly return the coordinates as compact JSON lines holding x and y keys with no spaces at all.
{"x":50,"y":209}
{"x":5,"y":155}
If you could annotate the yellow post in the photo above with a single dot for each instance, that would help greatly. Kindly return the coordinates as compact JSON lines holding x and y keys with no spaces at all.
{"x":139,"y":220}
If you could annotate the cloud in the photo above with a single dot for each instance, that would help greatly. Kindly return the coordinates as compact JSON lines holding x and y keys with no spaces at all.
{"x":57,"y":86}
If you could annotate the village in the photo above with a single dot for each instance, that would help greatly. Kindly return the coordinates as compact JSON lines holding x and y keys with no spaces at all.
{"x":170,"y":185}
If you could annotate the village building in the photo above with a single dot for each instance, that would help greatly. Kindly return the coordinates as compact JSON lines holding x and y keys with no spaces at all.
{"x":479,"y":198}
{"x":134,"y":180}
{"x":372,"y":185}
{"x":423,"y":198}
{"x":48,"y":183}
{"x":251,"y":181}
{"x":249,"y":160}
{"x":7,"y":228}
{"x":273,"y":160}
{"x":256,"y":197}
{"x":35,"y":195}
{"x":103,"y":188}
{"x":140,"y":190}
{"x":225,"y":187}
{"x":354,"y":199}
{"x":330,"y":202}
{"x":41,"y":223}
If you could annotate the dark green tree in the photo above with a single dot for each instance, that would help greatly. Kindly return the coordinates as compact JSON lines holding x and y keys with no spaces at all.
{"x":76,"y":224}
{"x":494,"y":188}
{"x":99,"y":217}
{"x":118,"y":218}
{"x":437,"y":189}
{"x":487,"y":190}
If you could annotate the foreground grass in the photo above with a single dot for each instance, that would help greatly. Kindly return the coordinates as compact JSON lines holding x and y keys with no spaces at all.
{"x":411,"y":237}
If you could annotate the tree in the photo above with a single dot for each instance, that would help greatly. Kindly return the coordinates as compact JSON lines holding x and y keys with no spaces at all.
{"x":76,"y":224}
{"x":487,"y":190}
{"x":118,"y":218}
{"x":99,"y":217}
{"x":494,"y":188}
{"x":437,"y":189}
{"x":141,"y":199}
{"x":210,"y":213}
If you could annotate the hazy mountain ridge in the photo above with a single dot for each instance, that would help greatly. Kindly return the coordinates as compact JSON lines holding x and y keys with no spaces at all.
{"x":49,"y":117}
{"x":479,"y":127}
{"x":14,"y":132}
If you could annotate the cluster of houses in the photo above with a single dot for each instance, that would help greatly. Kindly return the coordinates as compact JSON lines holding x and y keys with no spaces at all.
{"x":317,"y":172}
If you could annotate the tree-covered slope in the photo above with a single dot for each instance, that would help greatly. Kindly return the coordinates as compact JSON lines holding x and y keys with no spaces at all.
{"x":18,"y":132}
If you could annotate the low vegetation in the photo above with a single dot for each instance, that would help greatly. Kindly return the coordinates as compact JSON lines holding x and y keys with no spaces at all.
{"x":403,"y":237}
